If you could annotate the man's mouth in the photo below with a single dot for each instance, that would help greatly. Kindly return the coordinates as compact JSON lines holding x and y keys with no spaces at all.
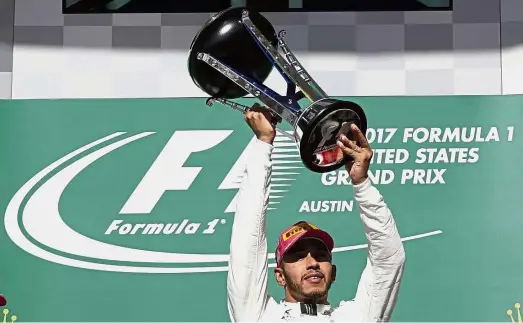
{"x":313,"y":277}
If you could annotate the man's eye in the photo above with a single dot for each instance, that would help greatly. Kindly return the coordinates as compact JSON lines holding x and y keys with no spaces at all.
{"x":321,"y":256}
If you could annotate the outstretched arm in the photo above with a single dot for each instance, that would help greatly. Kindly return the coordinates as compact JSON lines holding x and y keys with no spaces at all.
{"x":379,"y":284}
{"x":247,"y":276}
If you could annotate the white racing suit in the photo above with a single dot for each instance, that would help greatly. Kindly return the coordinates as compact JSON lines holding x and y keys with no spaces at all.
{"x":247,"y":288}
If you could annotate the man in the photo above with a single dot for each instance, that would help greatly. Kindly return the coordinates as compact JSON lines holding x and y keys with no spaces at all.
{"x":303,"y":254}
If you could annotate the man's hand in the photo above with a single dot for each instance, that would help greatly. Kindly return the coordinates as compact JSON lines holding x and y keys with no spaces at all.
{"x":258,"y":118}
{"x":360,"y":152}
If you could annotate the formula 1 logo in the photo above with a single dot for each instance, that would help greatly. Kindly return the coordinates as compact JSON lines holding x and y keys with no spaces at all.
{"x":34,"y":222}
{"x":43,"y":222}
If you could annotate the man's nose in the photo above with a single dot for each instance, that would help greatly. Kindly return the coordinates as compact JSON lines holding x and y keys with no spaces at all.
{"x":312,"y":263}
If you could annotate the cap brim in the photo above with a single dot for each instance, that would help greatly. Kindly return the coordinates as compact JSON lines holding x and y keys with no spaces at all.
{"x":319,"y":234}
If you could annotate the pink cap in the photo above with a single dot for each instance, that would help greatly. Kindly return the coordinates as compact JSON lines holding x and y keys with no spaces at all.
{"x":297,"y":231}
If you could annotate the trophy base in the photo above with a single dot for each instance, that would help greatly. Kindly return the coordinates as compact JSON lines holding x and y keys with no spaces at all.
{"x":318,"y":129}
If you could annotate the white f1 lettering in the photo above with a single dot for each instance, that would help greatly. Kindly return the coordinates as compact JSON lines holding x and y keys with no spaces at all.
{"x":167,"y":172}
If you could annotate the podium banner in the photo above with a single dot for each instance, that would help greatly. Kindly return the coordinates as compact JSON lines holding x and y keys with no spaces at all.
{"x":121,"y":210}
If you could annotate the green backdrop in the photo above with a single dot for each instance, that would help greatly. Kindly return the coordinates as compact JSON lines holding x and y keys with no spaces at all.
{"x":91,"y":188}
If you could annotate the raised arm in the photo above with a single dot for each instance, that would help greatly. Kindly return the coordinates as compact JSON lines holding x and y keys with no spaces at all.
{"x":248,"y":263}
{"x":379,"y":284}
{"x":380,"y":281}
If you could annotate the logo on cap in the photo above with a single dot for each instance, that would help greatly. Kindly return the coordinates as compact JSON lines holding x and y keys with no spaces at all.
{"x":297,"y":229}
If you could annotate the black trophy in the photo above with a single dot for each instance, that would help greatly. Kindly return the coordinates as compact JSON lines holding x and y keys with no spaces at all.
{"x":234,"y":53}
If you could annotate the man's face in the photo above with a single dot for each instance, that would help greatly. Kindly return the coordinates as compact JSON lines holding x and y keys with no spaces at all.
{"x":307,"y":272}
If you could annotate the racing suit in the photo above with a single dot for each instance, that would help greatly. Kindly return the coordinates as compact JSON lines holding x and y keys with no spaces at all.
{"x":247,"y":288}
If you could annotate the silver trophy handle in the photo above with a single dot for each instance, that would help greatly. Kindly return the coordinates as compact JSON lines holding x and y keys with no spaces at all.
{"x":243,"y":109}
{"x":231,"y":104}
{"x":290,"y":66}
{"x":251,"y":88}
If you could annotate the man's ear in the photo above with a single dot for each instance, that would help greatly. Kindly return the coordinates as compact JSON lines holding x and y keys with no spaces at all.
{"x":333,"y":273}
{"x":280,"y":278}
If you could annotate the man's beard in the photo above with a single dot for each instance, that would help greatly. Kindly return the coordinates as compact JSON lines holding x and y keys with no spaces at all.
{"x":297,"y":289}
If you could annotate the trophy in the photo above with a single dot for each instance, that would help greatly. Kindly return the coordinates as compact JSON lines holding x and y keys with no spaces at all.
{"x":234,"y":53}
